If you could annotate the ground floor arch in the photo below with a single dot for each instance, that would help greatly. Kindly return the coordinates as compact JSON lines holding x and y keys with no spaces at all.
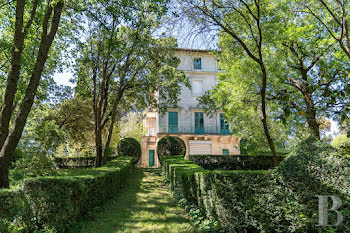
{"x":195,"y":144}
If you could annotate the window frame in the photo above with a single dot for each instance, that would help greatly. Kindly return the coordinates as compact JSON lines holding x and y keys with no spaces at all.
{"x":173,"y":127}
{"x":200,"y":120}
{"x":196,"y":65}
{"x":224,"y":126}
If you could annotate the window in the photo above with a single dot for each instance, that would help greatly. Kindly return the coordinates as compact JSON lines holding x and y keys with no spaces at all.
{"x":173,"y":122}
{"x":151,"y":126}
{"x":198,"y":123}
{"x":225,"y":151}
{"x":197,"y":63}
{"x":197,"y":88}
{"x":224,"y":127}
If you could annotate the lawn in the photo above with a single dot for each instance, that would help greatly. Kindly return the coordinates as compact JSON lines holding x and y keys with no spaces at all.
{"x":145,"y":205}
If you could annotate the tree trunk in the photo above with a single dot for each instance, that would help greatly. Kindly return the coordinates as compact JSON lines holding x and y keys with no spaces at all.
{"x":11,"y":141}
{"x":5,"y":162}
{"x":264,"y":117}
{"x":110,"y":131}
{"x":311,"y":116}
{"x":98,"y":143}
{"x":13,"y":73}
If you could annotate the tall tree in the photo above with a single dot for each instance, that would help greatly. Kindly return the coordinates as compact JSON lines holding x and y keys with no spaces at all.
{"x":248,"y":23}
{"x":121,"y":62}
{"x":237,"y":94}
{"x":48,"y":13}
{"x":311,"y":71}
{"x":333,"y":17}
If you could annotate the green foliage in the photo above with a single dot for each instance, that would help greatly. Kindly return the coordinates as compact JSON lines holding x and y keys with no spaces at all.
{"x":236,"y":93}
{"x":235,"y":162}
{"x":302,"y":64}
{"x":55,"y":203}
{"x":281,"y":200}
{"x":55,"y":61}
{"x":129,"y":147}
{"x":170,"y":145}
{"x":34,"y":163}
{"x":342,"y":142}
{"x":316,"y":164}
{"x":42,"y":133}
{"x":74,"y":117}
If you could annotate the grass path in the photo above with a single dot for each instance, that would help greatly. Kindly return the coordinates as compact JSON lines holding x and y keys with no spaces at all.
{"x":145,"y":205}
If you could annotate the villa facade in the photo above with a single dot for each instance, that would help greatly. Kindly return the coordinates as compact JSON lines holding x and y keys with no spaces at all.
{"x":202,"y":134}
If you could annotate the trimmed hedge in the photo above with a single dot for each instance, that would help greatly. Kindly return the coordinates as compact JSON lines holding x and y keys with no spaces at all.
{"x":169,"y":146}
{"x":129,"y":147}
{"x":77,"y":162}
{"x":235,"y":162}
{"x":281,"y":200}
{"x":57,"y":203}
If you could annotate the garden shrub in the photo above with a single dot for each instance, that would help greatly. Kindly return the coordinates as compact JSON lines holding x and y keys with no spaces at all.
{"x":280,"y":200}
{"x":342,"y":143}
{"x":129,"y":147}
{"x":58,"y":202}
{"x":170,"y":146}
{"x":235,"y":162}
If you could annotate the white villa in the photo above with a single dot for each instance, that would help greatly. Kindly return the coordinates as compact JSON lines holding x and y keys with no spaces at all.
{"x":202,"y":134}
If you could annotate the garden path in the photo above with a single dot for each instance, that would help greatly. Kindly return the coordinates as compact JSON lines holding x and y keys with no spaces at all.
{"x":144,"y":205}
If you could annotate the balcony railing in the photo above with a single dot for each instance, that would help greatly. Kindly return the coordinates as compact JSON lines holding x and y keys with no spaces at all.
{"x":166,"y":129}
{"x":191,"y":130}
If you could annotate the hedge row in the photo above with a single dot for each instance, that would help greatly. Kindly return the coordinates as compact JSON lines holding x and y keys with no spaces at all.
{"x":235,"y":162}
{"x":77,"y":162}
{"x":281,"y":200}
{"x":56,"y":204}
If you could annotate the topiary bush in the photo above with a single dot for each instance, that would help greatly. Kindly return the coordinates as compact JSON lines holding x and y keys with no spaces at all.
{"x":170,"y":146}
{"x":129,"y":147}
{"x":342,"y":143}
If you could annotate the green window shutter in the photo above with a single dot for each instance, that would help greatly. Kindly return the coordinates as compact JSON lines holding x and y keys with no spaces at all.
{"x":224,"y":127}
{"x":173,"y":122}
{"x":197,"y":63}
{"x":199,"y":122}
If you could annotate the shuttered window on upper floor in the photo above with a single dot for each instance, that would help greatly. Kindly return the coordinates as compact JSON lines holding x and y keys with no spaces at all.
{"x":197,"y":63}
